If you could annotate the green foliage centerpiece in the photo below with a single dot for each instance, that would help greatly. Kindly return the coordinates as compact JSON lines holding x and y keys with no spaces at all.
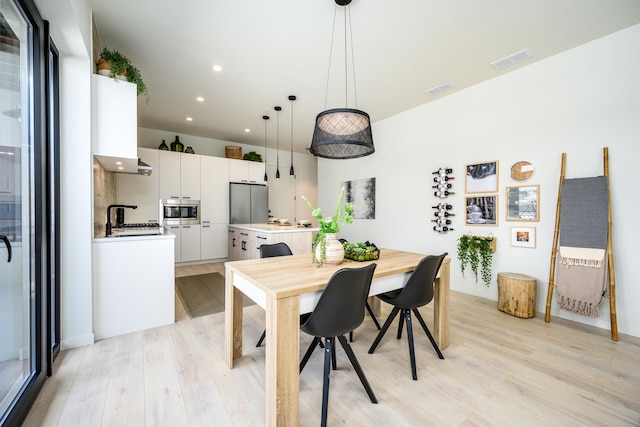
{"x":329,"y":226}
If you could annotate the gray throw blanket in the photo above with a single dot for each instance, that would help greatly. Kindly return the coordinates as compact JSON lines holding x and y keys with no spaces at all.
{"x":584,"y":214}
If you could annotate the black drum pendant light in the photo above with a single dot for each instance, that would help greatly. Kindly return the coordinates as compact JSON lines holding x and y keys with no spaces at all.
{"x":342,"y":133}
{"x":291,"y":171}
{"x":278,"y":109}
{"x":265,"y":118}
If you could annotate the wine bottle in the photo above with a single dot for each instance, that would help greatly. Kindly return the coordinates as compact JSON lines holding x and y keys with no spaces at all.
{"x":442,"y":171}
{"x":442,"y":229}
{"x":442,"y":206}
{"x":443,"y":178}
{"x":442,"y":186}
{"x":441,"y":221}
{"x":443,"y":194}
{"x":443,"y":214}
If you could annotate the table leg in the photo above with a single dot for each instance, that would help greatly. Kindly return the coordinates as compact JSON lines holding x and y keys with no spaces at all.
{"x":282,"y":361}
{"x":232,"y":320}
{"x":442,"y":288}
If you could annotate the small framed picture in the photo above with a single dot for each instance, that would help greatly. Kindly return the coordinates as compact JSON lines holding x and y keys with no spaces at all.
{"x":481,"y":210}
{"x":523,"y":237}
{"x":482,"y":178}
{"x":522,"y":203}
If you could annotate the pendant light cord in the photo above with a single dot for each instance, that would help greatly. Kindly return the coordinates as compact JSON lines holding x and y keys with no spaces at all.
{"x":347,"y":18}
{"x":292,"y":98}
{"x":333,"y":32}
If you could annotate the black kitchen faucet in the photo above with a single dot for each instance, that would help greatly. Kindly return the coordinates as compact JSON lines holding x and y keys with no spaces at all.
{"x":108,"y":229}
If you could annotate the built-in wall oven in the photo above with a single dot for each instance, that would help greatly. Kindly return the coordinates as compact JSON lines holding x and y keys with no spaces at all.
{"x":179,"y":212}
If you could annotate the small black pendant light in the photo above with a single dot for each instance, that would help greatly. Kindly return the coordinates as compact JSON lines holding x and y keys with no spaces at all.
{"x":265,"y":118}
{"x":342,"y":133}
{"x":278,"y":109}
{"x":292,"y":98}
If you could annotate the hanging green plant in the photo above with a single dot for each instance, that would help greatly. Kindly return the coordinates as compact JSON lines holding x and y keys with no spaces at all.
{"x":474,"y":252}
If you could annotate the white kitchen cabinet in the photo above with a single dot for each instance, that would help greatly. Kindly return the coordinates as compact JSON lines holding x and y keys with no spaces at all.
{"x":190,"y":176}
{"x":245,"y":240}
{"x":141,"y":190}
{"x":177,"y":247}
{"x":246,"y":171}
{"x":133,"y":284}
{"x":189,"y":243}
{"x":213,"y":241}
{"x":169,"y":174}
{"x":114,"y":131}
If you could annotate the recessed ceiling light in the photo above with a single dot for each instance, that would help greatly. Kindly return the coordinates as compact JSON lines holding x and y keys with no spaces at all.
{"x":189,"y":119}
{"x":120,"y":168}
{"x":247,"y":130}
{"x":217,"y":68}
{"x":200,"y":99}
{"x":118,"y":163}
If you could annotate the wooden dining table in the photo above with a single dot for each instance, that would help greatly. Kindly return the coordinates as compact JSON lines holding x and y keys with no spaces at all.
{"x":290,"y":285}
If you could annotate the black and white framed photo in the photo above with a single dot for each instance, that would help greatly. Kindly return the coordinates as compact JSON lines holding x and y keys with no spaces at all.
{"x":523,"y":237}
{"x":362,"y":193}
{"x":481,"y":210}
{"x":482,"y":178}
{"x":522,"y":203}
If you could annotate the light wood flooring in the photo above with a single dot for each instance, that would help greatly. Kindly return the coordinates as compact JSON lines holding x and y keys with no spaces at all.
{"x":499,"y":371}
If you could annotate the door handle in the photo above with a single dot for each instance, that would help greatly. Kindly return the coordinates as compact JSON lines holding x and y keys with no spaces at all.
{"x":7,"y":243}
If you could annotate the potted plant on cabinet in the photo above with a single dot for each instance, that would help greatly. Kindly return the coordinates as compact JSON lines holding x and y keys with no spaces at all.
{"x":474,"y":251}
{"x":117,"y":66}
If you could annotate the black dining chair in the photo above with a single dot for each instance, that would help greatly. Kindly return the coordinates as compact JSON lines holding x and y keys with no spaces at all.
{"x":416,"y":293}
{"x":339,"y":310}
{"x":268,"y":251}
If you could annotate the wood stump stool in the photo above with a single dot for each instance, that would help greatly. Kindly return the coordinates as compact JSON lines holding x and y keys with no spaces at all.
{"x":517,"y":294}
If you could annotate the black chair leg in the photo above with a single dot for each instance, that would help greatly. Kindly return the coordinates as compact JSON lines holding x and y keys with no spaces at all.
{"x":328,"y":350}
{"x":373,"y":316}
{"x":412,"y":353}
{"x":400,"y":325}
{"x":309,"y":352}
{"x":358,"y":368}
{"x":426,"y":330}
{"x":264,"y":334}
{"x":333,"y":353}
{"x":383,"y":331}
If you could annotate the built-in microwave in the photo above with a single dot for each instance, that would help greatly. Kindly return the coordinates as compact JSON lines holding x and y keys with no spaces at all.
{"x":179,"y":211}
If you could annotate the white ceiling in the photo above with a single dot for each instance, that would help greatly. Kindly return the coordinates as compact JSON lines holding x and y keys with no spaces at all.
{"x":272,"y":49}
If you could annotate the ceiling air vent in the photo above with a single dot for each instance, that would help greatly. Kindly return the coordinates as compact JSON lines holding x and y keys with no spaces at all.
{"x":436,"y":90}
{"x":512,"y":59}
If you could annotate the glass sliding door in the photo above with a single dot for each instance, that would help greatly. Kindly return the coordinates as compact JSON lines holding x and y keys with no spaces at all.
{"x":23,"y":245}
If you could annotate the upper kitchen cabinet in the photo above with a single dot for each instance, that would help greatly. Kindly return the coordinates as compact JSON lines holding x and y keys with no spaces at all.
{"x":141,"y":190}
{"x":246,"y":171}
{"x":114,"y":123}
{"x":190,"y":176}
{"x":214,"y":190}
{"x":179,"y":175}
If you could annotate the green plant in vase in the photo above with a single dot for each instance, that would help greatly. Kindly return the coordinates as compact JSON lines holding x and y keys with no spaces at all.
{"x":474,"y":252}
{"x":120,"y":65}
{"x":329,"y":224}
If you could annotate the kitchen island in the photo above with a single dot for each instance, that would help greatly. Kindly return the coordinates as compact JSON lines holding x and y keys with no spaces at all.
{"x":133,"y":283}
{"x":245,"y":239}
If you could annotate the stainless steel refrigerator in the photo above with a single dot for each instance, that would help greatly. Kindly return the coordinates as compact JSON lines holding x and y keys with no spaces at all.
{"x":248,"y":203}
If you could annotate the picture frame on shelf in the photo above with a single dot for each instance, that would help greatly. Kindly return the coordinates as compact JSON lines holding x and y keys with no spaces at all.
{"x":481,"y":209}
{"x":523,"y":237}
{"x":481,"y":177}
{"x":523,"y":203}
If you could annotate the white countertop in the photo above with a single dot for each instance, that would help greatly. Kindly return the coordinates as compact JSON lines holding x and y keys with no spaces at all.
{"x":274,"y":228}
{"x":166,"y":235}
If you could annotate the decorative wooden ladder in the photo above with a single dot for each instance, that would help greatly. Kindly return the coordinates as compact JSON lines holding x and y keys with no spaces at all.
{"x":554,"y":249}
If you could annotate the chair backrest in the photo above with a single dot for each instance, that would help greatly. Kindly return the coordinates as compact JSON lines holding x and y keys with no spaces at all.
{"x":340,"y":308}
{"x":419,"y":288}
{"x":276,"y":249}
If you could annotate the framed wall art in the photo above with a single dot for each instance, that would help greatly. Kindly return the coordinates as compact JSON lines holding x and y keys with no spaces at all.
{"x":362,"y":193}
{"x":481,"y":210}
{"x":522,"y":203}
{"x":482,"y":178}
{"x":523,"y":237}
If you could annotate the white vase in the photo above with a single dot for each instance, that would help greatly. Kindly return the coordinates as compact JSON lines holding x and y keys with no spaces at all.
{"x":333,"y":250}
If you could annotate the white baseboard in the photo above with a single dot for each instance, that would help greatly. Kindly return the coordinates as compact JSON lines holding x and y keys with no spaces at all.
{"x":74,"y":342}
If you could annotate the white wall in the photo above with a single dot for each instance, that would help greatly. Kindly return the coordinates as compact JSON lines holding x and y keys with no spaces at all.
{"x":70,"y":25}
{"x":577,"y":102}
